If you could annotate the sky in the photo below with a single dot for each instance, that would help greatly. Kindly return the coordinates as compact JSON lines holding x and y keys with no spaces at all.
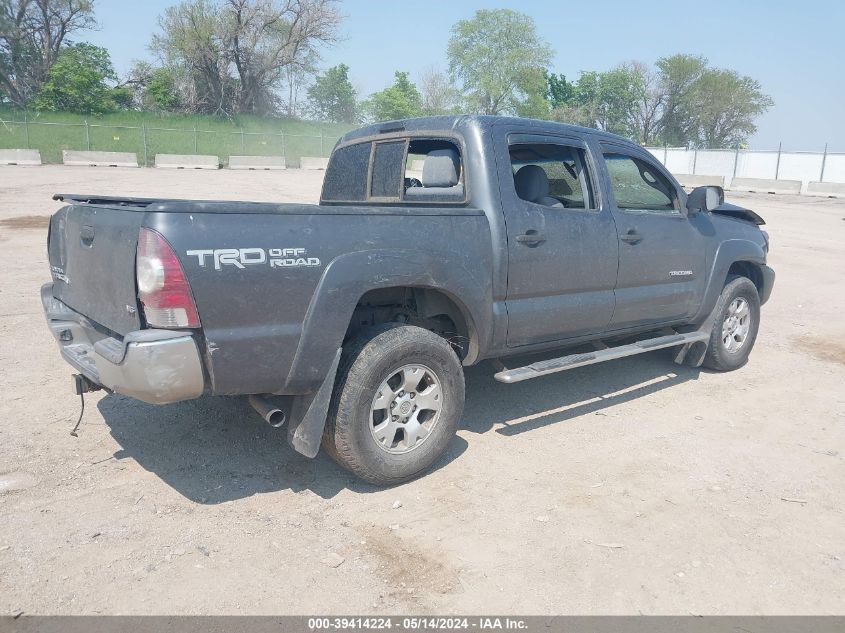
{"x":794,"y":49}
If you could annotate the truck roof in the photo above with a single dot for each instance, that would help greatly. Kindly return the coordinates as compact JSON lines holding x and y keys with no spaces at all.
{"x":463,"y":122}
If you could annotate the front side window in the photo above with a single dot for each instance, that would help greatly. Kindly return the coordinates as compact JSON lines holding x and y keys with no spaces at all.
{"x":550,"y":175}
{"x":638,"y":187}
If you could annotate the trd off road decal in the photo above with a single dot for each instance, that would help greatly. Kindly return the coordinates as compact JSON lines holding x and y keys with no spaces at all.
{"x":243,"y":257}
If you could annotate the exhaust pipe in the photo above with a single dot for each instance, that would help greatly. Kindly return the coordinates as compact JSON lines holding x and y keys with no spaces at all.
{"x":274,"y":416}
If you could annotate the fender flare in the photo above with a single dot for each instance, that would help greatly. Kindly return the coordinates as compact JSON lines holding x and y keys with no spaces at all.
{"x":728,"y":253}
{"x":347,"y":278}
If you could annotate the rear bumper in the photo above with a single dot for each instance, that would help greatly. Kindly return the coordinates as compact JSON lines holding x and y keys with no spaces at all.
{"x":155,"y":366}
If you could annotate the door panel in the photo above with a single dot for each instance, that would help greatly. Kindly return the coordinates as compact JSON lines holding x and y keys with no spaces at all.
{"x":661,"y":252}
{"x":562,"y":261}
{"x":659,"y":277}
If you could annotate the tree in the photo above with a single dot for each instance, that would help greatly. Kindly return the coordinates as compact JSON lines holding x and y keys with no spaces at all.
{"x":32,"y":34}
{"x":707,"y":107}
{"x":234,"y":56}
{"x":268,"y":37}
{"x":438,"y":94}
{"x":77,"y":82}
{"x":193,"y":43}
{"x":535,"y":102}
{"x":681,"y":101}
{"x":402,"y":100}
{"x":559,"y":91}
{"x":332,"y":97}
{"x":604,"y":100}
{"x":153,"y":88}
{"x":647,"y":113}
{"x":678,"y":75}
{"x":296,"y":76}
{"x":491,"y":54}
{"x":726,"y":104}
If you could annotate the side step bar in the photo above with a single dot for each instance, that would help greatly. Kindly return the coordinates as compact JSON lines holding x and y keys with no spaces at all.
{"x":572,"y":361}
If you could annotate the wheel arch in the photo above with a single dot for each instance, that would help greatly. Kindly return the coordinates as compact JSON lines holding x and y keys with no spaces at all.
{"x":432,"y":308}
{"x":444,"y":283}
{"x":749,"y":269}
{"x":737,"y":256}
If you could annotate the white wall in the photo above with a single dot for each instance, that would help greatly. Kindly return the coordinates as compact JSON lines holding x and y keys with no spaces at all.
{"x":803,"y":166}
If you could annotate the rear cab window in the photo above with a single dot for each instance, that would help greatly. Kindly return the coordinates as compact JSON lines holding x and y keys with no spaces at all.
{"x":346,"y":175}
{"x":412,"y":170}
{"x":386,"y":170}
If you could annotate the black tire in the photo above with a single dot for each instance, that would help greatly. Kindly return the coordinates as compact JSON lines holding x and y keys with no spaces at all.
{"x":719,"y":356}
{"x":366,"y":363}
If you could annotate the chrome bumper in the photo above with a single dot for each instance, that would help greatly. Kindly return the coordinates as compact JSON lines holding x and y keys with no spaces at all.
{"x":155,"y":366}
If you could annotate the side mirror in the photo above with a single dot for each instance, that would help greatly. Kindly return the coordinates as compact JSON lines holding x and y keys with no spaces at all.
{"x":705,"y":199}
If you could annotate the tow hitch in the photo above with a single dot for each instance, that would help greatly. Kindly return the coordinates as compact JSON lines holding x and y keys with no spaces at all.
{"x":81,"y":385}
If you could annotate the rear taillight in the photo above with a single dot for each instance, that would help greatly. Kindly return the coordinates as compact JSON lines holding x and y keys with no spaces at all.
{"x":162,"y":287}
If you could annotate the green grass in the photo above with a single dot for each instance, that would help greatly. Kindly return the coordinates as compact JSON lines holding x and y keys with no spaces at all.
{"x":52,"y":132}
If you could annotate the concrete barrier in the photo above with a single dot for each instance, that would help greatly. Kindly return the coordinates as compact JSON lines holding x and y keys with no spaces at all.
{"x":313,"y":162}
{"x":692,"y":181}
{"x":99,"y":159}
{"x":187,"y":161}
{"x":257,"y":162}
{"x":766,"y":185}
{"x":20,"y":157}
{"x":829,"y":189}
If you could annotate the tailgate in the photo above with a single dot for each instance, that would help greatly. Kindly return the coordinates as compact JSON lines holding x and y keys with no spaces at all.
{"x":92,"y":261}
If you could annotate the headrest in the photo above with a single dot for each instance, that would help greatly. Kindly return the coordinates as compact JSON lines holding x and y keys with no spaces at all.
{"x":441,"y":168}
{"x":531,"y":183}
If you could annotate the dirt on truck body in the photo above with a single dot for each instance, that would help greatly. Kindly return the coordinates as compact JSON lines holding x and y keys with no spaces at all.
{"x":348,"y":323}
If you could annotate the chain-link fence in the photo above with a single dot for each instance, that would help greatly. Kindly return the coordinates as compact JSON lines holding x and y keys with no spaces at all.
{"x":147,"y":141}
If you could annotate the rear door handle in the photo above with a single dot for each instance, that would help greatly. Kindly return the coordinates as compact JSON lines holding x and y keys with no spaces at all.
{"x":632,"y":237}
{"x":531,"y":238}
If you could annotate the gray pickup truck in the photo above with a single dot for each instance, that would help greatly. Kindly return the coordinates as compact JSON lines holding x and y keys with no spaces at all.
{"x":437,"y":243}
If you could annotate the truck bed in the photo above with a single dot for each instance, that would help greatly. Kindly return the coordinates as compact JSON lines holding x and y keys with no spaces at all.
{"x":255,"y":314}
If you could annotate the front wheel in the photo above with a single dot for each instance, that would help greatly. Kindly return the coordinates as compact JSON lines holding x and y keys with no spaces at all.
{"x":398,"y":397}
{"x":735,"y":325}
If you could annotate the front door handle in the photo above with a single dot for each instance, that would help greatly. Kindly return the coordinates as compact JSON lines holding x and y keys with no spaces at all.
{"x":632,"y":237}
{"x":531,"y":238}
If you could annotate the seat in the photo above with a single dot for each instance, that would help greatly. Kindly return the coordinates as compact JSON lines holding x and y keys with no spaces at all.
{"x":532,"y":184}
{"x":440,"y":178}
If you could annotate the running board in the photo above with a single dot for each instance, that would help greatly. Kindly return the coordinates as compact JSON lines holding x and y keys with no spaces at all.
{"x":572,"y":361}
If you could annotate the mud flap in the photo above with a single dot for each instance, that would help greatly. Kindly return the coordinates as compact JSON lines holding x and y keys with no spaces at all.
{"x":691,"y":354}
{"x":308,"y":415}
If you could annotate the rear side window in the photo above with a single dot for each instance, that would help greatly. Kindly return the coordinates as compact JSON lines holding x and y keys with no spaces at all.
{"x":386,"y":181}
{"x":346,"y":176}
{"x":638,"y":186}
{"x":551,"y":175}
{"x":434,"y":172}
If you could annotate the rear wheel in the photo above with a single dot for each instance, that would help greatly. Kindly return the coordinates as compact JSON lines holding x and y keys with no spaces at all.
{"x":398,"y":397}
{"x":735,"y":326}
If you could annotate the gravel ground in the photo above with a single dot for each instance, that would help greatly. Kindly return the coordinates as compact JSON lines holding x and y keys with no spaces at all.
{"x":631,"y":487}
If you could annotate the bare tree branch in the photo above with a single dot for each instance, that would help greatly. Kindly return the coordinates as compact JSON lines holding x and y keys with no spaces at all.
{"x":32,"y":33}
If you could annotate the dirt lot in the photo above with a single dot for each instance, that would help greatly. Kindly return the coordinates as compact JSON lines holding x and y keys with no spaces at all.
{"x":631,"y":487}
